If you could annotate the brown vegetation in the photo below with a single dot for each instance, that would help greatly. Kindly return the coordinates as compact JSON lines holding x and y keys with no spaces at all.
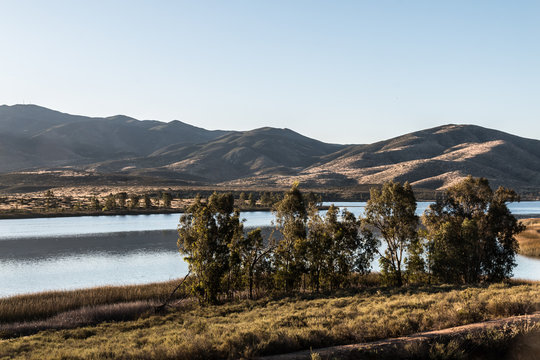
{"x":118,"y":200}
{"x":44,"y":305}
{"x":279,"y":325}
{"x":529,"y":240}
{"x":517,"y":336}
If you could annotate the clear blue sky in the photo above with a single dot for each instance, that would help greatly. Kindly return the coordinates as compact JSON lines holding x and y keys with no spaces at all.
{"x":339,"y":71}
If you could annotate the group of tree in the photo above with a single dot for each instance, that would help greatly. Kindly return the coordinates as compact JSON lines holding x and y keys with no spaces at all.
{"x":264,"y":199}
{"x":308,"y":250}
{"x":468,"y":236}
{"x":122,"y":201}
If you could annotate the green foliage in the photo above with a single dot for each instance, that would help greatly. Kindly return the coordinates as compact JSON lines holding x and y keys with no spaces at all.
{"x":166,"y":198}
{"x":95,"y":203}
{"x":134,"y":201}
{"x":147,"y":201}
{"x":391,"y":213}
{"x":336,"y":248}
{"x":122,"y":197}
{"x":206,"y":234}
{"x":267,"y":199}
{"x":251,"y":252}
{"x":110,"y":203}
{"x":289,"y":255}
{"x":468,"y":236}
{"x":242,"y":198}
{"x":252,"y":200}
{"x":471,"y":233}
{"x":313,"y":199}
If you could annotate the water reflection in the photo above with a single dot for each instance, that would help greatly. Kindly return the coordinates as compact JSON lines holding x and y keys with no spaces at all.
{"x":88,"y":270}
{"x":119,"y":243}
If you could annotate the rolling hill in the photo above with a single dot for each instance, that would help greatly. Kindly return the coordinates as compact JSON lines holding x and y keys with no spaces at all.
{"x":433,"y":159}
{"x":34,"y":139}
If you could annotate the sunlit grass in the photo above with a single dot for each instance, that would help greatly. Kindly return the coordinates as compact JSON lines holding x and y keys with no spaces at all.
{"x":278,"y":325}
{"x":529,"y":240}
{"x":46,"y":304}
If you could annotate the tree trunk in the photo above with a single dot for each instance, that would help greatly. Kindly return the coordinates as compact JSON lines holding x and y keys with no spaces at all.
{"x":251,"y":284}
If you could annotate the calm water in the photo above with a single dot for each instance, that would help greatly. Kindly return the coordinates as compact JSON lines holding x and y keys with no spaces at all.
{"x":78,"y":252}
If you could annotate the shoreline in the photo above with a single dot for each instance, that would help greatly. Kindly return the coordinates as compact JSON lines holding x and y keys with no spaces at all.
{"x":38,"y":215}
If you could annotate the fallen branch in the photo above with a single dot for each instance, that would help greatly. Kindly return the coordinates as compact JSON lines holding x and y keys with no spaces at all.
{"x":161,"y":307}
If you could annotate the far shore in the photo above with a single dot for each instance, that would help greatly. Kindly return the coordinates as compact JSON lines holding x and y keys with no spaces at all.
{"x":14,"y":214}
{"x":34,"y":215}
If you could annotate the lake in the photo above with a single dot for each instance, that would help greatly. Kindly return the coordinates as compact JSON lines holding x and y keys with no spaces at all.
{"x":78,"y":252}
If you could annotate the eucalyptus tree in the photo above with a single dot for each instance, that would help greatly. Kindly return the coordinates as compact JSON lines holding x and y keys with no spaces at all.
{"x":289,"y":255}
{"x":205,"y":236}
{"x":471,"y":233}
{"x":251,"y":251}
{"x":337,"y":248}
{"x":391,"y":213}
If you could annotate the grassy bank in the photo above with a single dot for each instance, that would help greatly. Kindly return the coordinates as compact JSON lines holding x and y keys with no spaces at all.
{"x":278,"y":325}
{"x":47,"y":304}
{"x":529,"y":240}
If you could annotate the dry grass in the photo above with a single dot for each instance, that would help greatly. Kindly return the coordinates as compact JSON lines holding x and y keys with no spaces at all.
{"x":269,"y":326}
{"x":519,"y":340}
{"x":32,"y":307}
{"x":529,"y":240}
{"x":88,"y":315}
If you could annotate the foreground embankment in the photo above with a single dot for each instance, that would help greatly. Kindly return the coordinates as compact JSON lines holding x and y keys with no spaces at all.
{"x":516,"y":337}
{"x":90,"y":326}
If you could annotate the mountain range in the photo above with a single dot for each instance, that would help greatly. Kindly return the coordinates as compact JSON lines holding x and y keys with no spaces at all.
{"x":36,"y":139}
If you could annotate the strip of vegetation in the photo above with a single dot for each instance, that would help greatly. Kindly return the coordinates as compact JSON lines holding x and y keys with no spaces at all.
{"x":163,"y":202}
{"x":249,"y":328}
{"x":47,"y":304}
{"x":529,"y":239}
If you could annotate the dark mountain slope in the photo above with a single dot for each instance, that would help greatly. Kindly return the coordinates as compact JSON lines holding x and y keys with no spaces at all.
{"x":123,"y":136}
{"x":36,"y":137}
{"x":239,"y":154}
{"x":28,"y":120}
